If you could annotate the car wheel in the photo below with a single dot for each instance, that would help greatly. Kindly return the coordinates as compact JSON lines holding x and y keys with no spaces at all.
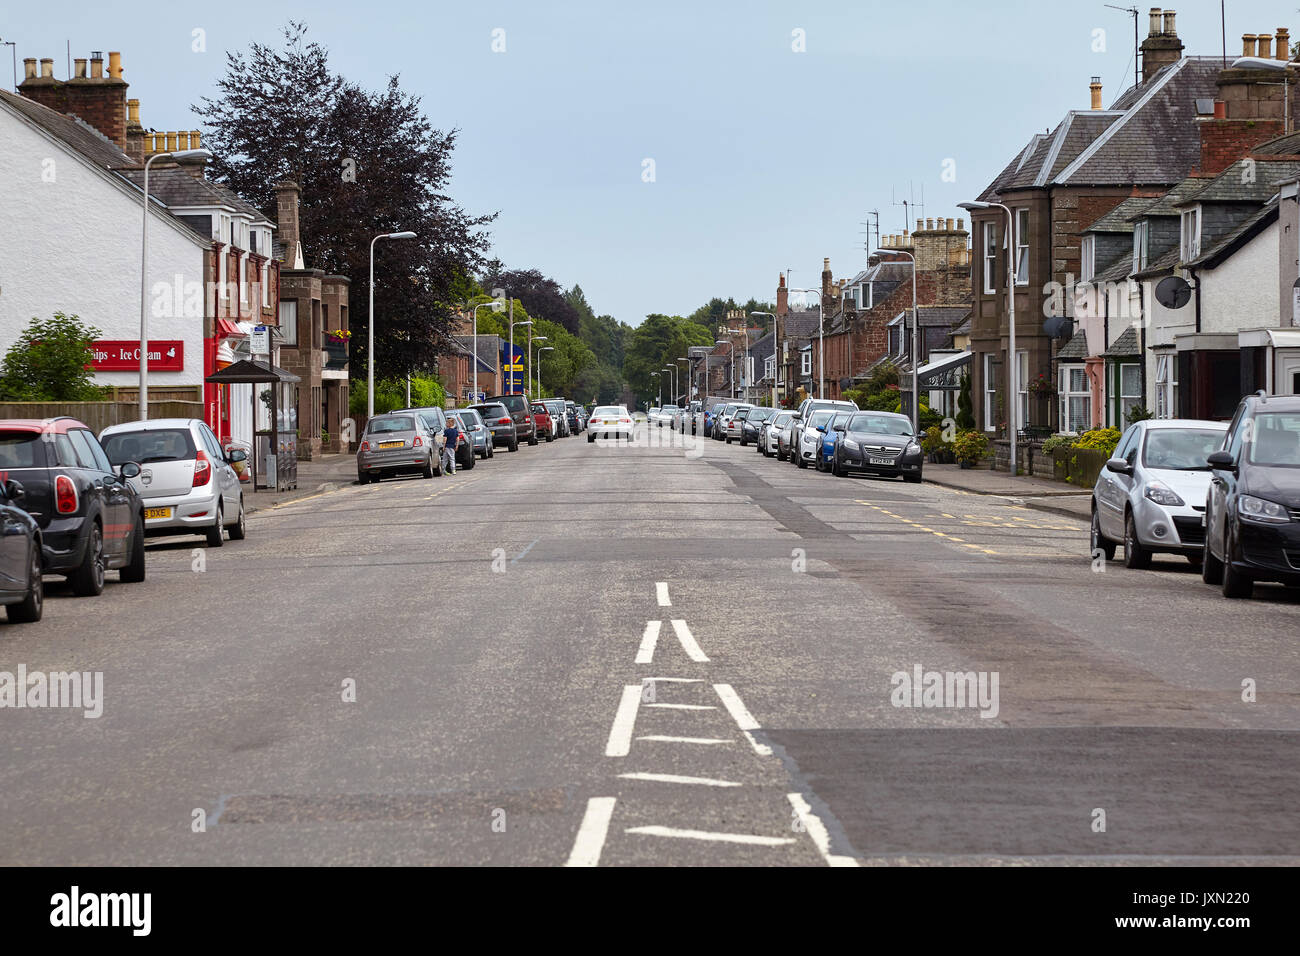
{"x":217,"y":533}
{"x":728,"y":439}
{"x":912,"y":479}
{"x":427,"y":471}
{"x":514,"y":445}
{"x":533,"y":440}
{"x":800,"y":462}
{"x":88,"y":578}
{"x":29,"y":610}
{"x":239,"y":530}
{"x":1098,"y":541}
{"x":133,"y":573}
{"x":1211,"y":567}
{"x":363,"y":479}
{"x":1135,"y":556}
{"x":1235,"y":584}
{"x":469,"y":462}
{"x":590,"y":438}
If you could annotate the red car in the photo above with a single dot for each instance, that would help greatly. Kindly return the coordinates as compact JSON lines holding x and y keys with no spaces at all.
{"x":542,"y":419}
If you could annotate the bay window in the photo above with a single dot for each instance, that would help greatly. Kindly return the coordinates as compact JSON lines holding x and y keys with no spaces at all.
{"x":1022,"y":247}
{"x":990,"y":249}
{"x":1076,"y":399}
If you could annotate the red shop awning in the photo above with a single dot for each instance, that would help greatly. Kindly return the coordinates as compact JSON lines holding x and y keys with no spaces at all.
{"x":227,"y":328}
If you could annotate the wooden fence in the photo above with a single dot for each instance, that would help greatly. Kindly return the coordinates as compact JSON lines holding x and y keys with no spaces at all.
{"x":99,"y":415}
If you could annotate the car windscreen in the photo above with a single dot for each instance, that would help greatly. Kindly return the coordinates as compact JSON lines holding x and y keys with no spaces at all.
{"x":493,"y":411}
{"x":782,"y":419}
{"x":155,"y":444}
{"x":819,"y":418}
{"x":397,"y":423}
{"x":515,"y":403}
{"x":607,"y":411}
{"x":880,"y":425}
{"x":540,"y":409}
{"x":1180,"y":449}
{"x":1276,"y":440}
{"x":469,"y":417}
{"x":759,"y":414}
{"x":20,"y":450}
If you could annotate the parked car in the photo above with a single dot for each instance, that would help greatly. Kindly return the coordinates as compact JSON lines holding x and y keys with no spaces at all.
{"x":831,"y":432}
{"x":559,"y":417}
{"x":22,"y":591}
{"x":91,"y":519}
{"x":720,"y":415}
{"x":804,"y":412}
{"x":731,"y":422}
{"x":464,"y":450}
{"x":546,"y":426}
{"x":500,"y":423}
{"x":774,"y":433}
{"x":520,"y":407}
{"x":187,"y":482}
{"x":690,"y":413}
{"x":751,"y":424}
{"x":574,"y":417}
{"x":610,"y":421}
{"x":1150,"y":494}
{"x":397,"y":443}
{"x":480,"y":437}
{"x":1252,"y":511}
{"x":807,"y":438}
{"x":877,"y":443}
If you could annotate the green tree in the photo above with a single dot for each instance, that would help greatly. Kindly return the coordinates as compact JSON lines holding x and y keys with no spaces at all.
{"x":50,"y":362}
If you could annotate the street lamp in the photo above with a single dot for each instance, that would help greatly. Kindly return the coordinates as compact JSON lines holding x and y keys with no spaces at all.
{"x":1013,"y":393}
{"x":531,"y":340}
{"x":144,"y":272}
{"x":731,"y":351}
{"x":672,"y":383}
{"x":776,"y":353}
{"x":527,"y":322}
{"x":916,"y":353}
{"x":821,"y":352}
{"x":473,"y":378}
{"x":660,"y":401}
{"x":686,"y":393}
{"x":544,"y":348}
{"x":370,"y":323}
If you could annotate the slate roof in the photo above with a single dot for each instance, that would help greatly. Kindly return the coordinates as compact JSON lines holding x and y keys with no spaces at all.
{"x":1166,"y":205}
{"x":1228,"y":186}
{"x":1233,"y":240}
{"x":1122,"y":217}
{"x":489,"y":347}
{"x":798,"y":325}
{"x":1164,"y":264}
{"x":942,"y":316}
{"x":963,"y":327}
{"x":174,"y":187}
{"x":1121,"y":268}
{"x":1288,"y":145}
{"x":1125,"y":345}
{"x":74,"y":132}
{"x":1076,"y":348}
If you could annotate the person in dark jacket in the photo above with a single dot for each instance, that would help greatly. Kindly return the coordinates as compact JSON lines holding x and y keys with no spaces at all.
{"x":452,"y":434}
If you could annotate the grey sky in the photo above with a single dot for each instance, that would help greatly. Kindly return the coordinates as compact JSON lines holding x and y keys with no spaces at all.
{"x":765,"y":158}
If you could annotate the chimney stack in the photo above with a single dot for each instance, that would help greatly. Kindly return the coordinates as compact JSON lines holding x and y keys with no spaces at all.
{"x":1162,"y":46}
{"x":1283,"y":44}
{"x":782,"y":297}
{"x":96,"y":100}
{"x":287,"y":197}
{"x":1095,"y":87}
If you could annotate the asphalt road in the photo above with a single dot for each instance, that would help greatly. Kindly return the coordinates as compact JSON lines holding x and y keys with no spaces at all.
{"x":654,"y":655}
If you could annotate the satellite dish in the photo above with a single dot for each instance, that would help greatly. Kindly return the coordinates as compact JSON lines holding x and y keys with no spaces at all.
{"x":845,"y":383}
{"x":1057,"y":326}
{"x":1173,"y":292}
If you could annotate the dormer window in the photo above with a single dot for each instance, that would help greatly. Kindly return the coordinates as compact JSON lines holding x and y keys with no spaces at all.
{"x":1191,"y":234}
{"x":1087,"y":258}
{"x":1139,"y":246}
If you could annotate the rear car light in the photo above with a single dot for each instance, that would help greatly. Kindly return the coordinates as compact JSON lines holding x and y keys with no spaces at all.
{"x":417,"y":442}
{"x":65,"y":495}
{"x":365,"y":446}
{"x":202,"y":470}
{"x":503,"y":421}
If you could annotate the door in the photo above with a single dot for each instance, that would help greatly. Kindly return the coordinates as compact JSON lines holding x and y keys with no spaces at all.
{"x":13,"y":549}
{"x":1287,"y":381}
{"x":1221,"y":486}
{"x":1113,"y":488}
{"x":113,"y":495}
{"x":227,"y":479}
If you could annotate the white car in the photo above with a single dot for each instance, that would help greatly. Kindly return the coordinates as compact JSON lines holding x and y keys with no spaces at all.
{"x":805,"y":441}
{"x":610,"y":421}
{"x":774,"y":433}
{"x":800,"y":422}
{"x":660,"y":417}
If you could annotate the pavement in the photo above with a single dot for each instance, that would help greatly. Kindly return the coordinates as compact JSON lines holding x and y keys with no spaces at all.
{"x":328,"y":473}
{"x":1040,"y":494}
{"x":656,"y":654}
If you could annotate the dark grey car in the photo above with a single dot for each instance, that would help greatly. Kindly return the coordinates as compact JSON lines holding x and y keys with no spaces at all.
{"x":478,"y":431}
{"x":499,"y":422}
{"x":397,"y":443}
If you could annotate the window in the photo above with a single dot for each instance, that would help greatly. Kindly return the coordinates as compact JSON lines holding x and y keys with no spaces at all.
{"x":1022,"y":247}
{"x":769,"y":367}
{"x":1163,"y":363}
{"x":1130,"y":391}
{"x":1087,"y":258}
{"x":85,"y":457}
{"x":1140,"y":245}
{"x":805,"y":366}
{"x":289,"y":321}
{"x":1191,"y":234}
{"x":990,"y":391}
{"x":243,"y":278}
{"x":990,"y":258}
{"x":1076,"y":399}
{"x":266,"y":284}
{"x":1022,"y":389}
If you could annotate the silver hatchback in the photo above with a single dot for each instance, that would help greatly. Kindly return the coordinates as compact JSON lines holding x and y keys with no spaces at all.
{"x":188,"y":483}
{"x":397,"y":443}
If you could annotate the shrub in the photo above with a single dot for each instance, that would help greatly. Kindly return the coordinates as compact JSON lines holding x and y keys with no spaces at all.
{"x":932,"y":441}
{"x":1101,"y":439}
{"x":971,"y":446}
{"x":1138,"y":413}
{"x":1057,"y":441}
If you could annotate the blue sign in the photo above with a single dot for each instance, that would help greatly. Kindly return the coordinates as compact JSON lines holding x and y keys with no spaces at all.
{"x":512,"y":372}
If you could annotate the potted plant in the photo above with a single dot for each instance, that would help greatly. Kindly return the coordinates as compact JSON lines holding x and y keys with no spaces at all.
{"x":970,"y":447}
{"x":1041,"y":387}
{"x":336,"y":348}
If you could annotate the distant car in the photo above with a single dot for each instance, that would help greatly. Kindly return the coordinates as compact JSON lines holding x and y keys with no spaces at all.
{"x":663,"y":416}
{"x":877,"y":443}
{"x":1252,"y":511}
{"x":397,"y":443}
{"x":575,"y":418}
{"x":831,"y":432}
{"x":730,"y":423}
{"x":500,"y":423}
{"x":770,"y":435}
{"x":464,"y":451}
{"x":804,"y":412}
{"x":690,"y":413}
{"x":520,"y":408}
{"x":91,"y":519}
{"x":1151,"y":493}
{"x":610,"y":421}
{"x":546,"y":426}
{"x":808,"y":438}
{"x":751,"y":425}
{"x":474,"y":424}
{"x":559,"y":416}
{"x":187,"y":482}
{"x":22,"y":591}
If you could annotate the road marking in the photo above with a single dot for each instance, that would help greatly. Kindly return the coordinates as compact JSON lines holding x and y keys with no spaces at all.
{"x":646,"y":652}
{"x":678,"y":778}
{"x":525,"y":551}
{"x":673,"y":680}
{"x":591,"y":834}
{"x":706,"y":835}
{"x":684,"y":706}
{"x":620,"y":735}
{"x":661,"y":592}
{"x":743,"y":718}
{"x":817,"y":830}
{"x":685,"y":740}
{"x":689,"y":645}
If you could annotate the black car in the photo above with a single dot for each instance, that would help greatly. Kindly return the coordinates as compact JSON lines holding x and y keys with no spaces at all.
{"x":878,"y":443}
{"x":21,"y":589}
{"x":91,"y":520}
{"x":751,"y":424}
{"x":520,"y":407}
{"x":1252,"y":512}
{"x":575,"y":423}
{"x":500,"y":423}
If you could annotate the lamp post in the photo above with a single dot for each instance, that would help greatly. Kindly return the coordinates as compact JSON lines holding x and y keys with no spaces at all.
{"x":527,"y":322}
{"x":1013,"y":393}
{"x":531,"y":340}
{"x":544,"y":348}
{"x":731,"y":351}
{"x":686,"y":396}
{"x":473,"y":377}
{"x":916,"y":353}
{"x":370,"y":322}
{"x":660,"y":400}
{"x":144,"y":272}
{"x":776,"y":353}
{"x":821,"y":352}
{"x":672,"y":383}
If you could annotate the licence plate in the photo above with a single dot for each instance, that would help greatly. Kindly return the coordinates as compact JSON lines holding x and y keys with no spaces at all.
{"x":151,"y":513}
{"x":882,"y":461}
{"x":392,"y":444}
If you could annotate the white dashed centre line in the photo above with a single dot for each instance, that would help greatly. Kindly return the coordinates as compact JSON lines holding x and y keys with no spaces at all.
{"x":685,"y":740}
{"x":678,"y":778}
{"x":661,"y":591}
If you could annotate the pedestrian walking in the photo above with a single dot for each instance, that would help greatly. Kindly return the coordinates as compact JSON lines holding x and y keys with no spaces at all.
{"x":452,"y":434}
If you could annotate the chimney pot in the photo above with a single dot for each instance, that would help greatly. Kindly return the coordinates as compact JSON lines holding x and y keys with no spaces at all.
{"x":1265,"y":45}
{"x":1283,"y":44}
{"x":194,"y":139}
{"x":29,"y":67}
{"x":929,"y":224}
{"x":1248,"y":44}
{"x":961,"y":224}
{"x":1095,"y":87}
{"x":1220,"y":109}
{"x":133,"y":112}
{"x":115,"y":64}
{"x":80,"y":69}
{"x":171,"y":142}
{"x":1156,"y":22}
{"x":47,"y":68}
{"x":96,"y":65}
{"x":950,"y":225}
{"x":1170,"y":28}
